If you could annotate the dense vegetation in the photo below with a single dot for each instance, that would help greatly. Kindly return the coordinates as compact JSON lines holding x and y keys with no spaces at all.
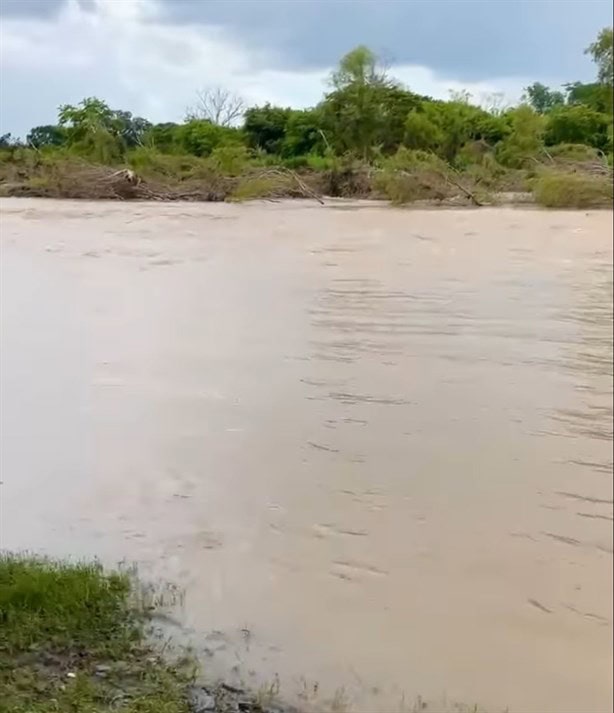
{"x":368,"y":136}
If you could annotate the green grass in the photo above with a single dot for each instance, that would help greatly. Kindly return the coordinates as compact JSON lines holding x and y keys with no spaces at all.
{"x":73,"y":639}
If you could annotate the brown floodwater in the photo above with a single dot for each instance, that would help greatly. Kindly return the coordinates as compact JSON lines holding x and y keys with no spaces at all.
{"x":372,"y":446}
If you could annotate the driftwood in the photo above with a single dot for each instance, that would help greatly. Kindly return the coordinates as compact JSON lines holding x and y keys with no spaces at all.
{"x":464,"y":190}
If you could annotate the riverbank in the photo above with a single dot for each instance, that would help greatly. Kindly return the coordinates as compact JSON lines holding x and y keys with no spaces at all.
{"x":411,"y":178}
{"x":77,"y":638}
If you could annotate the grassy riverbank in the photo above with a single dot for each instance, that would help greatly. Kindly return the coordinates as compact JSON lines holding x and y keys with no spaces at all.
{"x":74,"y":638}
{"x":77,"y":639}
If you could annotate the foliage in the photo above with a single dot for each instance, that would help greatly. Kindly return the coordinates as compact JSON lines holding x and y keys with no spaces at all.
{"x":542,"y":98}
{"x":93,"y":129}
{"x":596,"y":96}
{"x":577,"y":125}
{"x":265,"y":127}
{"x":445,"y":127}
{"x":199,"y":137}
{"x":601,"y":52}
{"x":302,"y":134}
{"x":230,"y":160}
{"x":163,"y":137}
{"x":366,"y":109}
{"x":49,"y":135}
{"x":570,"y":190}
{"x":525,"y":139}
{"x":149,"y":162}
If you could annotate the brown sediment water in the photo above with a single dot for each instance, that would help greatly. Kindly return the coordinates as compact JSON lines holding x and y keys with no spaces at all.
{"x":373,"y":446}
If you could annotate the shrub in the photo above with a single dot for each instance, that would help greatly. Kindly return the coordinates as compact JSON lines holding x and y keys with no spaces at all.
{"x":230,"y":160}
{"x":571,"y":190}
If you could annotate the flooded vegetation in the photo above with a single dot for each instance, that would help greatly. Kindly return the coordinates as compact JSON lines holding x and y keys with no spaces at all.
{"x":372,"y":446}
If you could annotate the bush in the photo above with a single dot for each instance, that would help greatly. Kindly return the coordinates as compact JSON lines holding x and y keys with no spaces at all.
{"x":577,"y":125}
{"x":271,"y":184}
{"x":411,"y":175}
{"x":230,"y":160}
{"x":571,"y":190}
{"x":574,"y":152}
{"x":150,"y":163}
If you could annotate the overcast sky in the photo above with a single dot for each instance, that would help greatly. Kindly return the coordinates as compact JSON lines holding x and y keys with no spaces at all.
{"x":149,"y":56}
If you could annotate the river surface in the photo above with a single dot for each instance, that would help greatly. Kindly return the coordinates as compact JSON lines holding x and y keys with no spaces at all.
{"x":372,"y":446}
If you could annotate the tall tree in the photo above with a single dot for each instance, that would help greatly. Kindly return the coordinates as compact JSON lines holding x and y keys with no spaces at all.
{"x":352,"y":111}
{"x":602,"y":53}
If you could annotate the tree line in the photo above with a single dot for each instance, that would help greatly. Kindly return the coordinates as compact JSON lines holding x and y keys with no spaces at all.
{"x":365,"y":114}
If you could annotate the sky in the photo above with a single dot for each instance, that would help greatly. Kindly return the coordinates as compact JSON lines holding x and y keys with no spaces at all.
{"x":151,"y":56}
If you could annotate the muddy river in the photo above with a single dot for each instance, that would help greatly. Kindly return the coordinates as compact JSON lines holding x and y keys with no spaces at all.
{"x":372,"y":446}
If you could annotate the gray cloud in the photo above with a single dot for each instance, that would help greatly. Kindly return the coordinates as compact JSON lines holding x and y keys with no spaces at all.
{"x":468,"y":39}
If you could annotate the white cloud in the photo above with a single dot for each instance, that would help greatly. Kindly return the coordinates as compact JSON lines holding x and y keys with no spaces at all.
{"x":128,"y":53}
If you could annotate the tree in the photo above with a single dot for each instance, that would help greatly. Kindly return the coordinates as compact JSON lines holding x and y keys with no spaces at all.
{"x":302,"y":134}
{"x":358,"y":68}
{"x":525,"y":138}
{"x":8,"y":141}
{"x":601,"y":52}
{"x":445,"y":127}
{"x":49,"y":135}
{"x":89,"y":117}
{"x":217,"y":105}
{"x":577,"y":125}
{"x":163,"y":137}
{"x":132,"y":129}
{"x":200,"y":137}
{"x":353,"y":110}
{"x":422,"y":131}
{"x":93,"y":129}
{"x":542,"y":98}
{"x":265,"y":127}
{"x":596,"y":96}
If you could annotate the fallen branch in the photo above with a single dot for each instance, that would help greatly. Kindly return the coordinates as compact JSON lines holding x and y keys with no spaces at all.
{"x":462,"y":188}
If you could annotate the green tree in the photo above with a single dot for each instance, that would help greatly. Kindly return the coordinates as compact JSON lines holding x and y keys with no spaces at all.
{"x":423,"y":132}
{"x":445,"y":127}
{"x":595,"y":95}
{"x":89,"y":117}
{"x":577,"y":125}
{"x":132,"y":129}
{"x":302,"y":134}
{"x":49,"y":135}
{"x":265,"y":127}
{"x":200,"y":137}
{"x":542,"y":98}
{"x":601,"y":52}
{"x":93,"y":128}
{"x":352,"y":112}
{"x":163,"y":137}
{"x":525,"y":138}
